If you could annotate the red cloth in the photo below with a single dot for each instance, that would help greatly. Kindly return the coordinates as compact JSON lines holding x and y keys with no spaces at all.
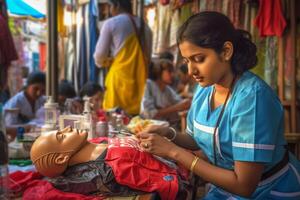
{"x":43,"y":56}
{"x":270,"y":20}
{"x":141,"y":171}
{"x":43,"y":190}
{"x":164,"y":2}
{"x":33,"y":188}
{"x":8,"y":51}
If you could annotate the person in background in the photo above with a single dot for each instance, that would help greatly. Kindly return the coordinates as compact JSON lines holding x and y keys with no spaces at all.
{"x":95,"y":92}
{"x":124,"y":45}
{"x":65,"y":91}
{"x":22,"y":107}
{"x":166,"y":55}
{"x":160,"y":101}
{"x":187,"y":84}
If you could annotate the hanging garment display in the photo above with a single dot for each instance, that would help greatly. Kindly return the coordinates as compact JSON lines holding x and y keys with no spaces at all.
{"x":8,"y":51}
{"x":270,"y":20}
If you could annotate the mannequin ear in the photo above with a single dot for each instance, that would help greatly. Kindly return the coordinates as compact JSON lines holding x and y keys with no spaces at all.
{"x":62,"y":159}
{"x":227,"y":51}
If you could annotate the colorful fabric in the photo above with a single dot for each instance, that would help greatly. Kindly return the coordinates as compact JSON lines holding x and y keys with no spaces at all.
{"x":270,"y":20}
{"x":140,"y":170}
{"x":251,"y":130}
{"x":8,"y":51}
{"x":126,"y":78}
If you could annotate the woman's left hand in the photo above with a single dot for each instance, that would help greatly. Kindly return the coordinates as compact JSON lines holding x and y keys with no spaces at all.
{"x":156,"y":144}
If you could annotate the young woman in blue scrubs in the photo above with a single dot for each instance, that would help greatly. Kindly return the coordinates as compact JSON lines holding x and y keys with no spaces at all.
{"x":235,"y":118}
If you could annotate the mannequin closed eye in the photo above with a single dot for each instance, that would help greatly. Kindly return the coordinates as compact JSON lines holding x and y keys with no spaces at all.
{"x":60,"y":136}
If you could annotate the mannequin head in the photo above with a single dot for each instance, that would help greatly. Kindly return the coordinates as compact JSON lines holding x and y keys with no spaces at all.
{"x":51,"y":153}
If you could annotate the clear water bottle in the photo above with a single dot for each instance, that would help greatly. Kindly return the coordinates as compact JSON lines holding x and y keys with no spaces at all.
{"x":3,"y":159}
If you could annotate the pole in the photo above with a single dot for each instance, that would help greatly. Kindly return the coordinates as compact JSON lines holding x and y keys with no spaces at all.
{"x":52,"y":45}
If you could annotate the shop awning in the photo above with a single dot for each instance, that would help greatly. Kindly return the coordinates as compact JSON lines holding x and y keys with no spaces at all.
{"x":32,"y":8}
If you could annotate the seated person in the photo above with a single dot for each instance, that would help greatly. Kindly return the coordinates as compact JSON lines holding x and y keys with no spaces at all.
{"x":120,"y":168}
{"x":96,"y":93}
{"x":166,"y":55}
{"x":160,"y":101}
{"x":65,"y":91}
{"x":187,"y":84}
{"x":26,"y":102}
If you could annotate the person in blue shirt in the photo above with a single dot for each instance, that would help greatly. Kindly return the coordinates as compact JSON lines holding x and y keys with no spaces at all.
{"x":235,"y":118}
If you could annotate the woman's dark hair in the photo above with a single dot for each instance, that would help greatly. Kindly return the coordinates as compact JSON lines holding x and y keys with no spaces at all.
{"x":36,"y":78}
{"x":211,"y":30}
{"x":90,"y":89}
{"x":158,"y":66}
{"x":66,"y":89}
{"x":123,"y":4}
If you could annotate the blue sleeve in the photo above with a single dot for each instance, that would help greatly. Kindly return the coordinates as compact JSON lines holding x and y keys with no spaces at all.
{"x":256,"y":119}
{"x":191,"y":113}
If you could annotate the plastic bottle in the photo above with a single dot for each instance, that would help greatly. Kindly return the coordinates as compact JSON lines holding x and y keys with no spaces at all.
{"x":3,"y":158}
{"x":119,"y":122}
{"x":102,"y":128}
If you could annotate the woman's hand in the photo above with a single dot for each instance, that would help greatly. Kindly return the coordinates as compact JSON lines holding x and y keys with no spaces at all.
{"x":156,"y":144}
{"x":158,"y":129}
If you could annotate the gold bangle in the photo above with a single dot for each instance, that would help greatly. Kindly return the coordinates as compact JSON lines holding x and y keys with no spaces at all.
{"x":194,"y":163}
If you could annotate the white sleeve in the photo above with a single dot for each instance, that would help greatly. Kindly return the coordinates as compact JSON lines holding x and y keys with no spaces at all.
{"x":103,"y":44}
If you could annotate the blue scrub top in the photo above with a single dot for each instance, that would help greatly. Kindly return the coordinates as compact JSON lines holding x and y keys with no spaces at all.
{"x":251,"y":129}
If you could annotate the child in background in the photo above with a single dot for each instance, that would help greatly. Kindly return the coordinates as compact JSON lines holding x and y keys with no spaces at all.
{"x":96,"y":93}
{"x":160,"y":101}
{"x":187,"y":84}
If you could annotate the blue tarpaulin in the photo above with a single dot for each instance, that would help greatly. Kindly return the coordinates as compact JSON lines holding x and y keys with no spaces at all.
{"x":26,"y":8}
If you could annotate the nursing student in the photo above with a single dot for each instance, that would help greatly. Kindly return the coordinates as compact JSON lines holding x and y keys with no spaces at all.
{"x":235,"y":118}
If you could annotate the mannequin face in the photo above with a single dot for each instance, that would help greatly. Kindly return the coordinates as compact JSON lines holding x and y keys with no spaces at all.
{"x":51,"y":153}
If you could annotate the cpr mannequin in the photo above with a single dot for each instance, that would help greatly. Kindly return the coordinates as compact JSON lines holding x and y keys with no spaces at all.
{"x":56,"y":153}
{"x":52,"y":153}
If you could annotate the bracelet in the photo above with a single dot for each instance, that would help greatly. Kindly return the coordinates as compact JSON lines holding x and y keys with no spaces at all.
{"x":174,"y":133}
{"x":194,"y":163}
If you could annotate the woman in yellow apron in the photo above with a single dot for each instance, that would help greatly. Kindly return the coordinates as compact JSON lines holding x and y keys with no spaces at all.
{"x":120,"y":48}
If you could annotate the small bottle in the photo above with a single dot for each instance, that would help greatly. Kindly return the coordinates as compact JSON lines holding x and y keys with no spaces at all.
{"x":102,"y":128}
{"x":3,"y":158}
{"x":119,"y":122}
{"x":20,"y":133}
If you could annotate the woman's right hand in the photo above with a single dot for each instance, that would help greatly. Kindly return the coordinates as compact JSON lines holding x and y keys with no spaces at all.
{"x":158,"y":129}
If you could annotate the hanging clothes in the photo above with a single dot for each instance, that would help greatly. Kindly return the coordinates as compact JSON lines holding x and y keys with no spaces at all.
{"x":270,"y":20}
{"x":93,"y":34}
{"x":179,"y":16}
{"x":161,"y":31}
{"x":8,"y":51}
{"x":270,"y":62}
{"x":82,"y":46}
